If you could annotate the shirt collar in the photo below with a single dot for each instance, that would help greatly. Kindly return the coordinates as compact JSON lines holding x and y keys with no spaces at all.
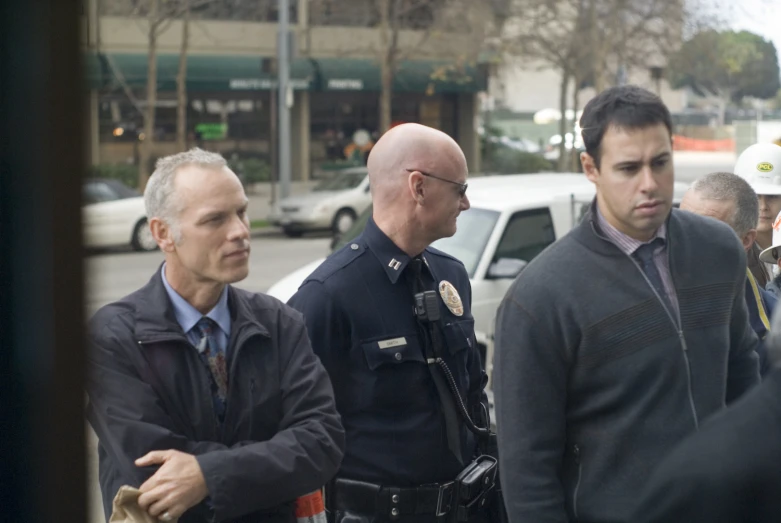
{"x":626,"y":243}
{"x":188,"y":316}
{"x":392,"y":259}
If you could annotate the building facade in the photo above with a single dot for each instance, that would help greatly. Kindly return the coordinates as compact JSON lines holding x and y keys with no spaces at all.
{"x":231,"y":78}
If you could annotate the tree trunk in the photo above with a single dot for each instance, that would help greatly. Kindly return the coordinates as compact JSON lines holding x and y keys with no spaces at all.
{"x":573,"y":153}
{"x":596,"y":42}
{"x":181,"y":82}
{"x":387,"y":65}
{"x":151,"y":99}
{"x":722,"y":98}
{"x":563,"y":121}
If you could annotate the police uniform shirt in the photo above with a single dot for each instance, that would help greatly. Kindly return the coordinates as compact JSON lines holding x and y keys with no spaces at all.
{"x":358,"y":307}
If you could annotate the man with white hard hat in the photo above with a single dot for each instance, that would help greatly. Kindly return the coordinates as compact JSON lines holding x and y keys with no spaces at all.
{"x":760,"y":166}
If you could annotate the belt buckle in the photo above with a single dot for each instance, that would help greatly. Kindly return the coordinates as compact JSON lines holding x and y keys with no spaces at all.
{"x":445,"y":505}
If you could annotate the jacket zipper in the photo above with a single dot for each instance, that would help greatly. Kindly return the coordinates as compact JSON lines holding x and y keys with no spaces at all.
{"x":241,"y":340}
{"x":576,"y":451}
{"x":677,"y":326}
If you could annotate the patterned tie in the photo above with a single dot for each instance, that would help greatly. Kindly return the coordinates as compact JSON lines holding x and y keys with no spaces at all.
{"x":215,"y":359}
{"x":645,"y":255}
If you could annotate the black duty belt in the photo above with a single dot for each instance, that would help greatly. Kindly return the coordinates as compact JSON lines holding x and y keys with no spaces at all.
{"x":438,"y":500}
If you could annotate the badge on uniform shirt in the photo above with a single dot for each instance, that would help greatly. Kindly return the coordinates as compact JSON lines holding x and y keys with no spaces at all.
{"x":451,"y":298}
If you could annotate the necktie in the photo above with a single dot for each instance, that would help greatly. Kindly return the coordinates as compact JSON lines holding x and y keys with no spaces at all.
{"x":215,"y":359}
{"x":645,"y":255}
{"x":433,"y":347}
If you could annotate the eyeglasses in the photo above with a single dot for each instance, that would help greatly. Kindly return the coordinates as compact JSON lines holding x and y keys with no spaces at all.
{"x":462,"y":186}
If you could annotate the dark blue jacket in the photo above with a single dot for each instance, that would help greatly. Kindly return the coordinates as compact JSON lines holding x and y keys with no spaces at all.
{"x":358,"y":307}
{"x":761,"y":304}
{"x":727,"y":472}
{"x":149,"y":390}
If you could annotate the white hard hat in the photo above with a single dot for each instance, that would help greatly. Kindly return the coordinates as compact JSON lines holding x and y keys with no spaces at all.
{"x":760,"y":166}
{"x":773,"y":253}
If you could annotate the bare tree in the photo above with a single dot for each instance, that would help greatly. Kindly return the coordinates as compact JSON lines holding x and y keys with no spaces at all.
{"x":159,"y":14}
{"x":155,"y":21}
{"x":550,"y":32}
{"x":427,"y":18}
{"x":595,"y":42}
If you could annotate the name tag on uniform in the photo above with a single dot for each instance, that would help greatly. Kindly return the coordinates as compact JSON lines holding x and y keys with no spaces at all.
{"x":395,"y":342}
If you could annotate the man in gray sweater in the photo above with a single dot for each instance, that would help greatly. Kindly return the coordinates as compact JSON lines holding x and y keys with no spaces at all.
{"x":619,"y":339}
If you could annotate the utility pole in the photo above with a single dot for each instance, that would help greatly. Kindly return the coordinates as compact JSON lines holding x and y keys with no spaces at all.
{"x":283,"y":96}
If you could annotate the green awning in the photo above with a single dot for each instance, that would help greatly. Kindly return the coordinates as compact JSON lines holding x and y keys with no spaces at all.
{"x":417,"y":76}
{"x":248,"y":73}
{"x":204,"y":72}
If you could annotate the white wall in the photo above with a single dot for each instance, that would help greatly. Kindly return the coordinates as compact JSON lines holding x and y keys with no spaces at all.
{"x":530,"y":86}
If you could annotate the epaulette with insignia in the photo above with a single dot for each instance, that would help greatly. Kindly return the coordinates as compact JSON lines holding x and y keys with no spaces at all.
{"x":337,"y":261}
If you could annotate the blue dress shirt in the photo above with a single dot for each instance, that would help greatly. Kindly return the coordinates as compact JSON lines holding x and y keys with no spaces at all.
{"x":188,"y":316}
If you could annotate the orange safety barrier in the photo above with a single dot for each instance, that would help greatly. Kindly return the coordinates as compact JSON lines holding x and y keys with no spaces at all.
{"x":684,"y":143}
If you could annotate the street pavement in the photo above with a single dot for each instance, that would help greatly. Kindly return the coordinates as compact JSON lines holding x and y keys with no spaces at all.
{"x":112,"y":274}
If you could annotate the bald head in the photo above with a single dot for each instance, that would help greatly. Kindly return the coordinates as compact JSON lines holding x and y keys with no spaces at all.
{"x":409,"y":146}
{"x":418,"y":182}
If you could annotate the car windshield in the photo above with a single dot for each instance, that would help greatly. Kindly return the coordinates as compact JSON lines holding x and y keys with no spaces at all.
{"x":97,"y":191}
{"x":342,"y":181}
{"x":467,"y":244}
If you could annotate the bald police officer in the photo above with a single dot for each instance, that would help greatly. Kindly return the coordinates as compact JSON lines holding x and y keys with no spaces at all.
{"x":386,"y":314}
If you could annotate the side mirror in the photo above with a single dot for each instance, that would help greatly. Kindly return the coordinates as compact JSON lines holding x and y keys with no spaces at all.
{"x":505,"y":268}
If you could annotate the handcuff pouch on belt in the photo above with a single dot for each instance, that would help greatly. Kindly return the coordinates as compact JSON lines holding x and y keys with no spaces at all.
{"x":475,"y":487}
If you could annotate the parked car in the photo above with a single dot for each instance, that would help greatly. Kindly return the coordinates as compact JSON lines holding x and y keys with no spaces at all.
{"x":334,"y":204}
{"x":511,"y":220}
{"x":113,"y":214}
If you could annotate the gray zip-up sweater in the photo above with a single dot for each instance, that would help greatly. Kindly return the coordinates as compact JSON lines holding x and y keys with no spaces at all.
{"x":595,"y":383}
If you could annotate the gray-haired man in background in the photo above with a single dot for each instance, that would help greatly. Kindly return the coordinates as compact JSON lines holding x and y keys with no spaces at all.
{"x":730,"y":199}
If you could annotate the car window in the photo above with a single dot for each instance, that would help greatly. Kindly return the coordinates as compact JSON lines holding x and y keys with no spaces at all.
{"x":526,"y":235}
{"x":97,"y":192}
{"x":121,"y":190}
{"x":342,"y":181}
{"x":474,"y":227}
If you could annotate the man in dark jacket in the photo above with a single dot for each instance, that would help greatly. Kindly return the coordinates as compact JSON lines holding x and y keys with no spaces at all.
{"x":729,"y":471}
{"x":602,"y":370}
{"x":729,"y":198}
{"x":206,"y":397}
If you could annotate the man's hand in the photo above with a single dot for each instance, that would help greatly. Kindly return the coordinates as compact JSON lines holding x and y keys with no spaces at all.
{"x":176,"y":486}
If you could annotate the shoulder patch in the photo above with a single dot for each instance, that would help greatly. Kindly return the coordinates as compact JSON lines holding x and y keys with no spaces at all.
{"x":337,"y":261}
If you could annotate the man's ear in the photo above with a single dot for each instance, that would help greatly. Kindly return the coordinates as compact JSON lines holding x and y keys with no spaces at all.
{"x":416,"y":186}
{"x":589,"y":167}
{"x":162,"y":234}
{"x":749,"y":238}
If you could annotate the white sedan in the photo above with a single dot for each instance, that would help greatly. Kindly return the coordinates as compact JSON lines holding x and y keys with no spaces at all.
{"x":114,"y":214}
{"x":333,"y":205}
